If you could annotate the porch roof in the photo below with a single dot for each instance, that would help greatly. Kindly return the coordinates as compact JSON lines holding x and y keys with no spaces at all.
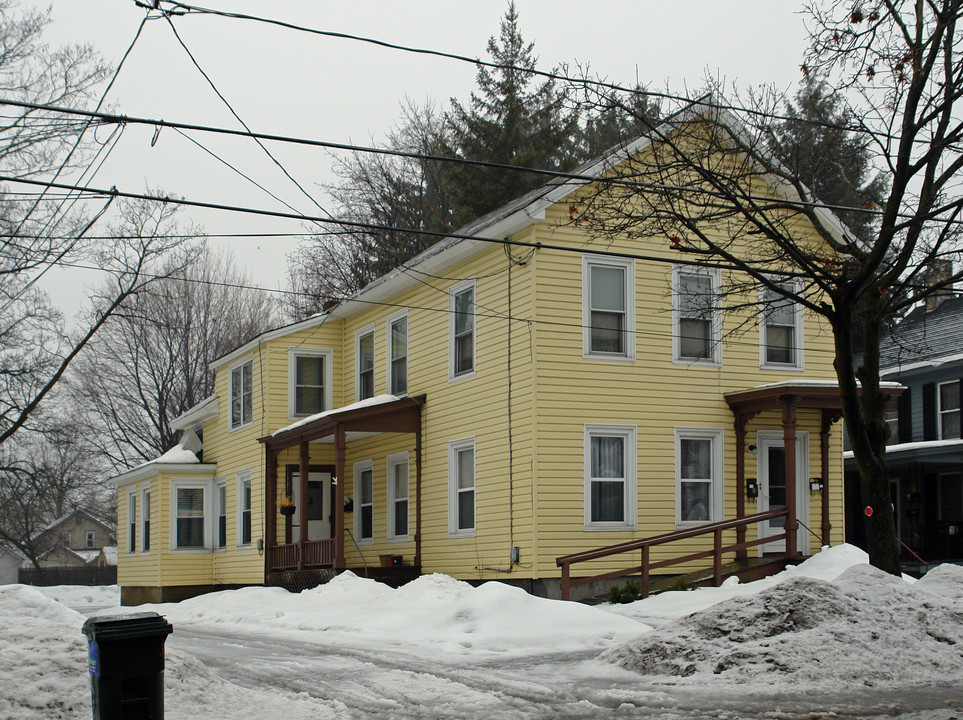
{"x":382,"y":414}
{"x":819,"y":394}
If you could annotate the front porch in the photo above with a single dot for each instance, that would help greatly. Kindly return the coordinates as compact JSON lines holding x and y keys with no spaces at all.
{"x":289,"y":548}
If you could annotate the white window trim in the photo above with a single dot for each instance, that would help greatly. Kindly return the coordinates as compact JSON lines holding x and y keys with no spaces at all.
{"x":715,"y":329}
{"x":132,"y":499}
{"x":798,"y":350}
{"x":210,"y":519}
{"x":144,"y":517}
{"x":717,"y":435}
{"x":628,"y":265}
{"x":243,"y":476}
{"x":629,"y":433}
{"x":392,"y":319}
{"x":452,"y":292}
{"x":230,"y":394}
{"x":293,"y":354}
{"x":357,"y":359}
{"x":360,"y":467}
{"x":392,"y":462}
{"x":219,"y":482}
{"x":940,"y":411}
{"x":454,"y":447}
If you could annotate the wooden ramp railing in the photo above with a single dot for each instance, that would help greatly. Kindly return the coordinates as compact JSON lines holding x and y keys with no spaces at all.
{"x":644,"y":546}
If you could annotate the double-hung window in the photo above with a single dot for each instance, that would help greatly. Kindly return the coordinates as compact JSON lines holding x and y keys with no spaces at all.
{"x":462,"y":330}
{"x":461,"y":488}
{"x":610,"y":477}
{"x":220,"y":492}
{"x":91,"y":539}
{"x":131,"y":522}
{"x":698,"y":475}
{"x":398,"y":354}
{"x":696,"y":321}
{"x":242,"y":393}
{"x":365,"y":354}
{"x":949,"y":394}
{"x":780,"y":328}
{"x":189,"y":504}
{"x":309,"y":373}
{"x":364,"y":501}
{"x":145,"y":519}
{"x":244,"y":508}
{"x":398,"y":496}
{"x":608,"y":307}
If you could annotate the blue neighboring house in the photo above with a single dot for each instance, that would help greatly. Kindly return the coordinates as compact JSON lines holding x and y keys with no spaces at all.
{"x":924,"y":352}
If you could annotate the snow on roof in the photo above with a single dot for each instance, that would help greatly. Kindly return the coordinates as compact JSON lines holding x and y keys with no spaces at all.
{"x":912,"y":446}
{"x":376,"y":400}
{"x":110,"y":554}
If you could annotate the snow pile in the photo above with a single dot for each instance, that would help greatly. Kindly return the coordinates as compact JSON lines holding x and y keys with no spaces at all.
{"x":434,"y":615}
{"x":44,"y":671}
{"x":864,"y":628}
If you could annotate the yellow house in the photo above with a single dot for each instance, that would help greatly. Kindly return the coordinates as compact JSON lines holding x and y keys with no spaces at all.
{"x":494,"y":410}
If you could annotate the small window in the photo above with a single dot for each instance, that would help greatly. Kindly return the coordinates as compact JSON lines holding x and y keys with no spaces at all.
{"x":308,"y":384}
{"x":950,"y":410}
{"x":461,"y":487}
{"x":190,"y":518}
{"x":145,"y":520}
{"x":398,"y":497}
{"x":90,"y":540}
{"x":780,"y":326}
{"x":244,"y":508}
{"x":398,"y":349}
{"x":608,"y":307}
{"x":364,"y":501}
{"x":366,"y":363}
{"x":610,"y":482}
{"x":696,"y":332}
{"x":131,"y":523}
{"x":698,"y":473}
{"x":221,"y":489}
{"x":242,"y":394}
{"x":891,"y":418}
{"x":462,"y":330}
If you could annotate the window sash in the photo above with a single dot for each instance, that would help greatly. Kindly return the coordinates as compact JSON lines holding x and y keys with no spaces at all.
{"x":698,"y":471}
{"x":246,"y":512}
{"x":366,"y":504}
{"x":222,"y":516}
{"x":309,"y":384}
{"x":131,"y":523}
{"x":462,"y":487}
{"x":242,"y":394}
{"x":949,"y":394}
{"x":398,"y":343}
{"x":463,"y":335}
{"x":607,"y":308}
{"x":696,"y":319}
{"x":190,"y":518}
{"x":145,"y":522}
{"x":607,"y":483}
{"x":398,"y":492}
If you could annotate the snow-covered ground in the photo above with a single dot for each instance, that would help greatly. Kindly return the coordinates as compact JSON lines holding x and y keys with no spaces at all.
{"x":831,"y":636}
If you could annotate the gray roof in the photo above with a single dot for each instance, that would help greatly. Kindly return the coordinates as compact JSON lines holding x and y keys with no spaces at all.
{"x":924,"y":336}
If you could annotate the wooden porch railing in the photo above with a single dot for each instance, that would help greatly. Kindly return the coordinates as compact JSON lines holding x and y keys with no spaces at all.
{"x":644,"y":546}
{"x":294,"y":556}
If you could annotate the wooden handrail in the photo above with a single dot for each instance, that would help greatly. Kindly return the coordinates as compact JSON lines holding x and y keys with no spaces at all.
{"x":716,"y":529}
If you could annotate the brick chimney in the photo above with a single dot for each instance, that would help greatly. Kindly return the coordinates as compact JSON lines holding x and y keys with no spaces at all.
{"x":938,"y":271}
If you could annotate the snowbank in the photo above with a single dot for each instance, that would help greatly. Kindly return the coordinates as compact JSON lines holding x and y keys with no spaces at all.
{"x":864,"y":628}
{"x":44,"y":671}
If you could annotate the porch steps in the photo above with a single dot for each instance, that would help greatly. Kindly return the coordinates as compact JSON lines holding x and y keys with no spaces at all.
{"x":746,"y":570}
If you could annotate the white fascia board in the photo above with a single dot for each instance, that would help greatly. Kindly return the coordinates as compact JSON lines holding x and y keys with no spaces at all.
{"x":154,"y":468}
{"x":205,"y":410}
{"x":247,"y":347}
{"x":923,"y":364}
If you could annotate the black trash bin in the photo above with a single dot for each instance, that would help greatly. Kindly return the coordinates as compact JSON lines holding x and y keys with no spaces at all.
{"x":126,"y":659}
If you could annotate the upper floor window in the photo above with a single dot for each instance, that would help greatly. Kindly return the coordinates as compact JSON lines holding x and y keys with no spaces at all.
{"x":608,"y":307}
{"x":91,"y":539}
{"x":696,"y":321}
{"x":365,"y":354}
{"x":244,"y":508}
{"x":949,"y":395}
{"x":698,"y":474}
{"x":398,"y":354}
{"x":610,"y":477}
{"x":242,"y":393}
{"x":66,"y":538}
{"x":364,"y":501}
{"x":461,"y":487}
{"x":462,"y":329}
{"x":309,"y":373}
{"x":780,"y":329}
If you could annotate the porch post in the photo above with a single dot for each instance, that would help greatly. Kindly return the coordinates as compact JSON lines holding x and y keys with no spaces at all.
{"x":740,"y":426}
{"x":789,"y":443}
{"x":303,"y":472}
{"x":339,"y":562}
{"x":270,"y":504}
{"x":418,"y":494}
{"x":829,"y":417}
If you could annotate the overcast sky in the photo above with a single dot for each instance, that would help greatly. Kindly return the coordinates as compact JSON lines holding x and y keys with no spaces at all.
{"x":286,"y":82}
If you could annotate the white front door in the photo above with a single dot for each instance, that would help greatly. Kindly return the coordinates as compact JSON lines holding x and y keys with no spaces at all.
{"x":319,"y":506}
{"x":771,"y":472}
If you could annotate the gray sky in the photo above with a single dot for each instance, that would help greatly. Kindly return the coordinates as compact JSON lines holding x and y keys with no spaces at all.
{"x":291,"y":83}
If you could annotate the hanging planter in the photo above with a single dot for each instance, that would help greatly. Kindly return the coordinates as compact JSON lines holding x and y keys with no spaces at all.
{"x":286,"y":506}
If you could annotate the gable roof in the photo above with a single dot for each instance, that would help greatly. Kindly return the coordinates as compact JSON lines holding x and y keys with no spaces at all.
{"x":924,"y":339}
{"x":64,"y":518}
